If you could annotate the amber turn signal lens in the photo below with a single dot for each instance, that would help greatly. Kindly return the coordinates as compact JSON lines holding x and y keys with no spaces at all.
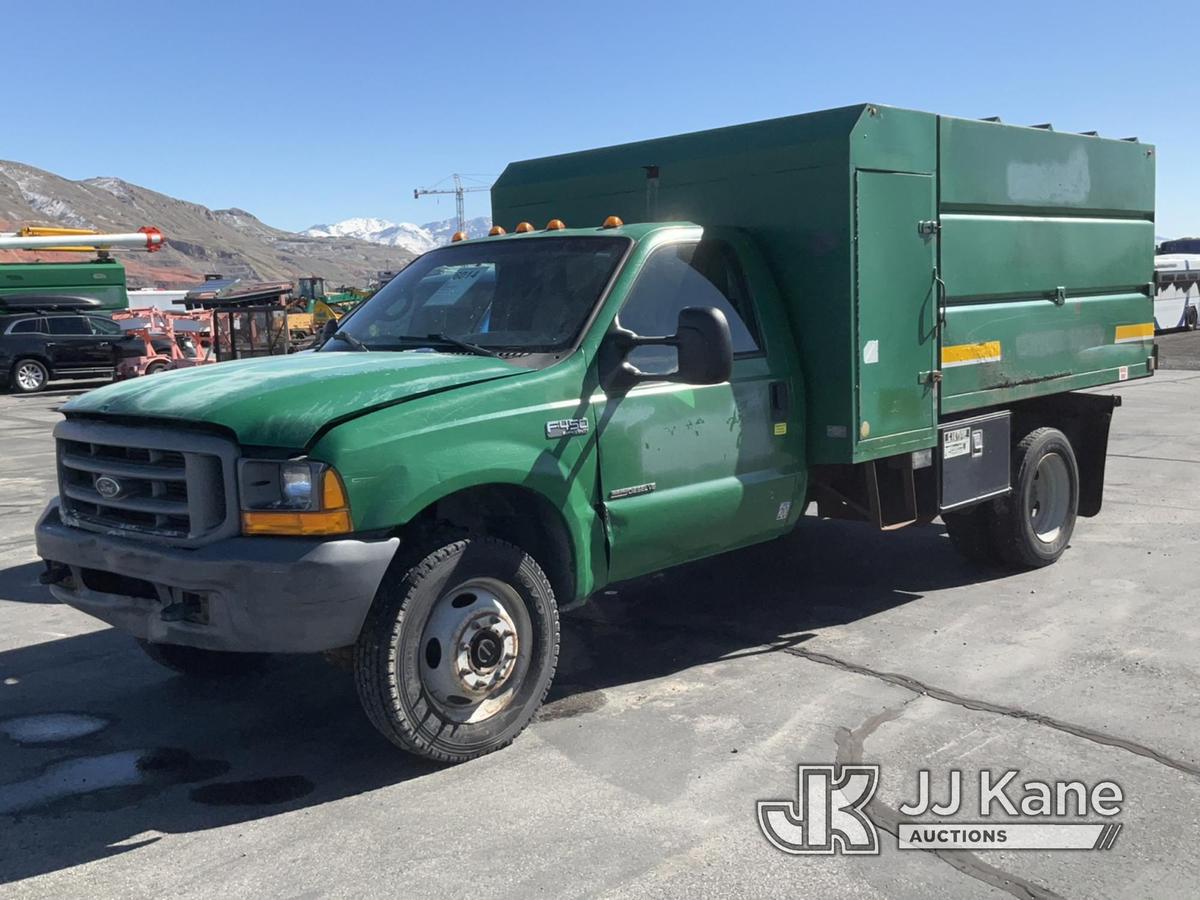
{"x":612,"y":222}
{"x":524,"y":228}
{"x":459,"y":236}
{"x":333,"y":493}
{"x":555,"y":225}
{"x":336,"y":521}
{"x":496,"y":230}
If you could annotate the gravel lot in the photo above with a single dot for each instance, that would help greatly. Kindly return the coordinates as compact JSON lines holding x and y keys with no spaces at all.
{"x":680,"y":701}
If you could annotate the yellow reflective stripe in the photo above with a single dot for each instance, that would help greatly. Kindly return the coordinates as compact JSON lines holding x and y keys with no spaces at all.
{"x":970,"y":354}
{"x":1129,"y":333}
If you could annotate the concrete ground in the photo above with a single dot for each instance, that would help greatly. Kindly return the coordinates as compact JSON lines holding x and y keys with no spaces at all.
{"x":1179,"y":350}
{"x":681,"y":700}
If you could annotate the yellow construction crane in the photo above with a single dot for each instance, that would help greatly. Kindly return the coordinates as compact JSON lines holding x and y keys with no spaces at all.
{"x":458,"y":190}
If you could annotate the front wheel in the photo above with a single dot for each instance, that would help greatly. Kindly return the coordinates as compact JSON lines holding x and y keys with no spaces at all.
{"x":459,"y":650}
{"x":28,"y":376}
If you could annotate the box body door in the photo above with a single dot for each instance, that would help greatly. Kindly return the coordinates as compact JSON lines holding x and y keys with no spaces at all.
{"x":897,"y":306}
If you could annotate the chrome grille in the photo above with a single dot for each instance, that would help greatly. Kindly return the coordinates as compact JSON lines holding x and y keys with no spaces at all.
{"x":151,"y":482}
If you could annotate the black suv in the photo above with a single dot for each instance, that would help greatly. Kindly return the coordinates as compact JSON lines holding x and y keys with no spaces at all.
{"x":37,"y":346}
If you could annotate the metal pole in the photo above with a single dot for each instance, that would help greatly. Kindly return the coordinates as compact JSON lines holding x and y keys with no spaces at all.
{"x":151,"y":240}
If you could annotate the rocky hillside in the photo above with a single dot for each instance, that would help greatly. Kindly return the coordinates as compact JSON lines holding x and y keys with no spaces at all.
{"x":199,"y":240}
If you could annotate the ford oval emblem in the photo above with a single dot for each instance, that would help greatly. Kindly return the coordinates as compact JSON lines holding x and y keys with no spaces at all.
{"x":107,"y":486}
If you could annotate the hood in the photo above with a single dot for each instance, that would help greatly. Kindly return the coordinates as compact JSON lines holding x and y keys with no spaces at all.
{"x":282,"y":401}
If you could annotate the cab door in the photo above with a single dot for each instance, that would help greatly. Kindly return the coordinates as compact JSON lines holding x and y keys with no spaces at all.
{"x":690,"y":470}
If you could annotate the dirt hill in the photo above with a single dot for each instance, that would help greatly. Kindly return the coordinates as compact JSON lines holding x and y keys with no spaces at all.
{"x":200,"y":240}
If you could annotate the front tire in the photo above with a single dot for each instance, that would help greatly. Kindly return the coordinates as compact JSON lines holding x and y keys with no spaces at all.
{"x":459,"y":650}
{"x":1032,"y":525}
{"x":28,"y":376}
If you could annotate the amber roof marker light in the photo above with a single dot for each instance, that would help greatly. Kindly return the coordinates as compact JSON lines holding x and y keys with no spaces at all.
{"x":458,"y":236}
{"x":495,"y":231}
{"x":524,"y":228}
{"x":555,"y":225}
{"x":612,"y":222}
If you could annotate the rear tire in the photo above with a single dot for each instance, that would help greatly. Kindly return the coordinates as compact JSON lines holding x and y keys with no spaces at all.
{"x":28,"y":376}
{"x":458,"y":650}
{"x":1190,"y":317}
{"x":1033,"y":524}
{"x":198,"y":663}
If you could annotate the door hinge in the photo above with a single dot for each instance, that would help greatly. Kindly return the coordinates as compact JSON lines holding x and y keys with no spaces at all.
{"x":934,"y":377}
{"x":928,"y":227}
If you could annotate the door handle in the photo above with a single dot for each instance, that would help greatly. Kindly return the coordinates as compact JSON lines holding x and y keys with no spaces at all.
{"x":940,"y":288}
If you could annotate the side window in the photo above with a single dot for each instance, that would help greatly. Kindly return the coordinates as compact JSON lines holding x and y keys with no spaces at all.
{"x":103,"y":326}
{"x":28,"y":326}
{"x":68,"y":325}
{"x":704,"y":273}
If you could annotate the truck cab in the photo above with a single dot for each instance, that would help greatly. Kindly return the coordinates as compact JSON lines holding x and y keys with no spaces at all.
{"x":513,"y":422}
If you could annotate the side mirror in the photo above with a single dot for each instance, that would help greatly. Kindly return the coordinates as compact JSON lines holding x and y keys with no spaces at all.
{"x":705,"y":346}
{"x":702,"y":344}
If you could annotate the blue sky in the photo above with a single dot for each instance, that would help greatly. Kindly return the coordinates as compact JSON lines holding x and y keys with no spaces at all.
{"x":306,"y":111}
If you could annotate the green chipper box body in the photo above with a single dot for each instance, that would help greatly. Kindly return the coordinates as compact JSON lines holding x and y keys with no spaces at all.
{"x":101,"y":280}
{"x":930,"y":265}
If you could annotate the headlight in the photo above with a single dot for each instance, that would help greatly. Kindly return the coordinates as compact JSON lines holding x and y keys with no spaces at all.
{"x":296,"y":483}
{"x":292,"y":497}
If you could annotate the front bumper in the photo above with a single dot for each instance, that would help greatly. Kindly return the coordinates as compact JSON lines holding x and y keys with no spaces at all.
{"x":275,"y":595}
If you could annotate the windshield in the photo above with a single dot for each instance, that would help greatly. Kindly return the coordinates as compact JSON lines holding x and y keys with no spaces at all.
{"x":525,"y":295}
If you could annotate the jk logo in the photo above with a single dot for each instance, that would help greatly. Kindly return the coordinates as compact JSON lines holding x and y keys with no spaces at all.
{"x":827,"y":815}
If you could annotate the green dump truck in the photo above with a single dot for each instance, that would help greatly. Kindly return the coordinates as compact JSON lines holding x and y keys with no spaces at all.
{"x":885,"y":313}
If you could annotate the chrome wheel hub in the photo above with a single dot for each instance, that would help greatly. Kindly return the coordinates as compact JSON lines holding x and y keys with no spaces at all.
{"x":1050,"y":497}
{"x":470,"y":649}
{"x":29,"y":376}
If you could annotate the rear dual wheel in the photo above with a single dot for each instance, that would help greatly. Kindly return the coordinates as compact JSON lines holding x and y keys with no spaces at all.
{"x":1031,"y":526}
{"x":459,"y":649}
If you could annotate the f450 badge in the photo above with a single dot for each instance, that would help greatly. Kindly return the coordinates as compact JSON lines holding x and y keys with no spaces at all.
{"x":561,"y":428}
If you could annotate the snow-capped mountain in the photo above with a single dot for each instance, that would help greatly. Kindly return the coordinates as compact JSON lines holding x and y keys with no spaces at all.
{"x":415,"y":238}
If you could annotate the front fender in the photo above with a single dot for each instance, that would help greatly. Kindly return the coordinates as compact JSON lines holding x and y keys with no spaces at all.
{"x":398,"y":461}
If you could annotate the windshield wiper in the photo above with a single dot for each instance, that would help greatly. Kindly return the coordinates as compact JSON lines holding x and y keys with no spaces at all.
{"x":351,"y":340}
{"x":462,"y":345}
